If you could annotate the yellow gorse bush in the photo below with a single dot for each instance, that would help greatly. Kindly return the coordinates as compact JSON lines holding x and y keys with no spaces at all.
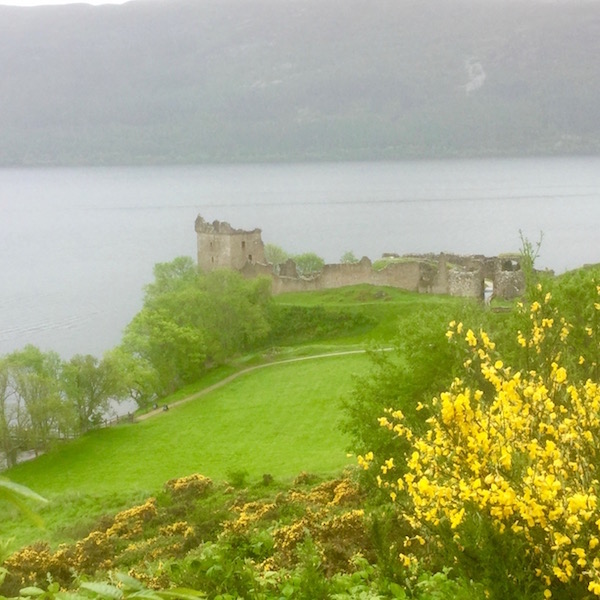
{"x":520,"y":448}
{"x":249,"y":514}
{"x":190,"y":485}
{"x":329,"y":519}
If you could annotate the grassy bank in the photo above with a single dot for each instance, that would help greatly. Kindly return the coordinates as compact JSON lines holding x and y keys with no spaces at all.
{"x":280,"y":420}
{"x":277,"y":421}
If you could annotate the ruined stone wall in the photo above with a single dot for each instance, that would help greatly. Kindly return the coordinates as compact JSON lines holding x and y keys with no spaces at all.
{"x":509,"y":279}
{"x":466,"y":283}
{"x":509,"y":284}
{"x":222,"y":247}
{"x":411,"y":275}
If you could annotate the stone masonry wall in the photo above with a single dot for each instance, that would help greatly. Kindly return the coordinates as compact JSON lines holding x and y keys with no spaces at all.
{"x":221,"y":246}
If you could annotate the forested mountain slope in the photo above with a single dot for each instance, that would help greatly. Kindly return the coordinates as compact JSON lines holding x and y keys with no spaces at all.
{"x":163,"y":81}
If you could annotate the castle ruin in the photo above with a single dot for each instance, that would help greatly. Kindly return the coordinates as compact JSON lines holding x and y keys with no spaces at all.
{"x":221,"y":246}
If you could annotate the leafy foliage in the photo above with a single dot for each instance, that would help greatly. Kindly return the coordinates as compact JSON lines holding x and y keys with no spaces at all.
{"x":420,"y":365}
{"x":191,"y":320}
{"x":507,"y":464}
{"x":275,"y":255}
{"x":348,"y":258}
{"x":89,"y":384}
{"x":308,"y":264}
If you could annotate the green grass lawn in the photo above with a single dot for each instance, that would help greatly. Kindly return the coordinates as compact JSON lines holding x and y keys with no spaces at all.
{"x":280,"y":420}
{"x":386,"y":306}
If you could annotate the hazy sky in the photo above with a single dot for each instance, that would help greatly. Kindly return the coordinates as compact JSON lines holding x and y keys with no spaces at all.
{"x":47,"y":2}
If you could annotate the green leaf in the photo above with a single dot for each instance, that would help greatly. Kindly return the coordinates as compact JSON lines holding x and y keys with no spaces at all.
{"x":69,"y":596}
{"x":17,"y":494}
{"x":31,"y":591}
{"x":144,"y":595}
{"x":10,"y":489}
{"x":104,"y":590}
{"x":182,"y":594}
{"x":129,"y":583}
{"x":397,"y":591}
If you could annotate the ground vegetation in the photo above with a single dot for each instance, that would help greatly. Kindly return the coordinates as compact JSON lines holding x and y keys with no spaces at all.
{"x":476,"y":475}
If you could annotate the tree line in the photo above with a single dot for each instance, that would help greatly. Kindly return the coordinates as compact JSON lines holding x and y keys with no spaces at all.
{"x":43,"y":398}
{"x":190,"y":321}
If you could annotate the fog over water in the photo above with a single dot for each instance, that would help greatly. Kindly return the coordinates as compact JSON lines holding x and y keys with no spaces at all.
{"x":78,"y":245}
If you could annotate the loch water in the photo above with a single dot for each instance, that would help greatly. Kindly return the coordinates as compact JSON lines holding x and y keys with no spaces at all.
{"x":77,"y":245}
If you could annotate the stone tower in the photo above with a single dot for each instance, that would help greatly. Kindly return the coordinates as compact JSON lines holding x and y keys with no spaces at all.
{"x":220,"y":246}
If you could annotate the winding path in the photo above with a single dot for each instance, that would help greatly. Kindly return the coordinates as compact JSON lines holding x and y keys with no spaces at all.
{"x":230,"y":378}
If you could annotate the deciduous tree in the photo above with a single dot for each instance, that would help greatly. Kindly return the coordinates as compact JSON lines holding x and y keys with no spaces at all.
{"x":89,"y":384}
{"x":40,"y":411}
{"x":348,"y":258}
{"x":275,"y":255}
{"x":308,"y":263}
{"x":192,"y":319}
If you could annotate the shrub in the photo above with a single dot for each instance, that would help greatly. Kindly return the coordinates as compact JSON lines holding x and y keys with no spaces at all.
{"x":191,"y":486}
{"x":308,"y":264}
{"x":506,"y":475}
{"x":297,"y":324}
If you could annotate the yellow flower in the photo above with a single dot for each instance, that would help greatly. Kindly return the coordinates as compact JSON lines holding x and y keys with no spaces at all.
{"x":470,"y":338}
{"x":561,"y":375}
{"x":594,"y":587}
{"x":405,"y":560}
{"x":457,"y":518}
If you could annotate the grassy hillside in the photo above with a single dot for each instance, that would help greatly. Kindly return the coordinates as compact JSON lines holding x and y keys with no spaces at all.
{"x":186,"y":81}
{"x":486,"y":491}
{"x":278,"y":420}
{"x":264,"y":422}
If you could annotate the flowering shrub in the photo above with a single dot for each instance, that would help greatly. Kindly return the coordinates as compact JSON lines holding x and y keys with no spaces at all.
{"x":98,"y":551}
{"x":195,"y":485}
{"x":329,"y":520}
{"x":27,"y":566}
{"x":249,"y":514}
{"x":129,"y":523}
{"x":335,"y":492}
{"x":515,"y":448}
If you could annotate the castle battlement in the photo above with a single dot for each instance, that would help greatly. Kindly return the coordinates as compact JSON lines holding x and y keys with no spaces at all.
{"x":222,"y":246}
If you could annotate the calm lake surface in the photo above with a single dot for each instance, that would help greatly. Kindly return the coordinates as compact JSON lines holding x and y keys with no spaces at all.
{"x":78,"y":245}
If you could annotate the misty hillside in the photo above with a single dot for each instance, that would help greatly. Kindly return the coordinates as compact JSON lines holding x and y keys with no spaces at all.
{"x":168,"y":81}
